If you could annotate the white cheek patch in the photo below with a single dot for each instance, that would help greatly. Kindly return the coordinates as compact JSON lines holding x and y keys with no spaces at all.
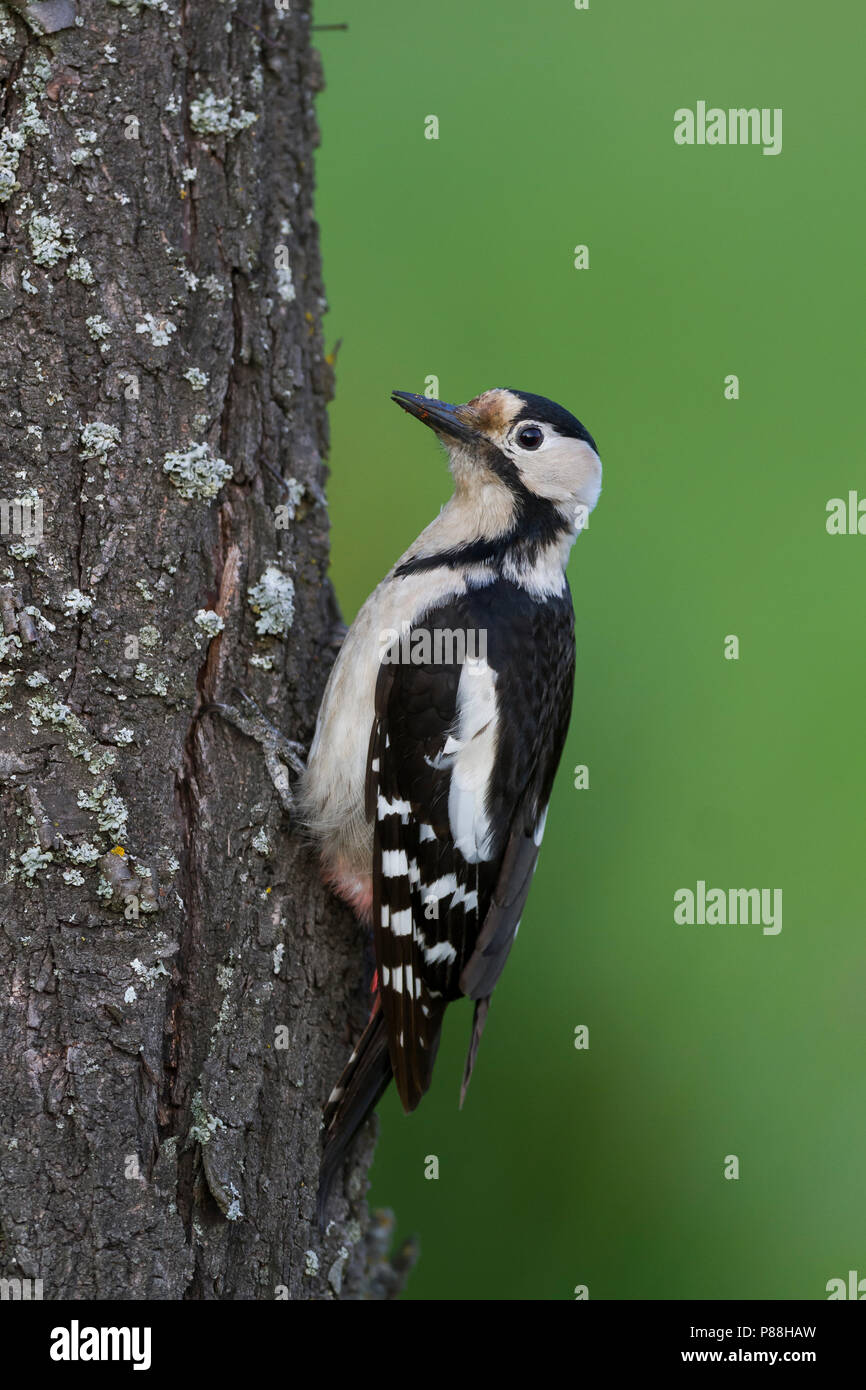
{"x":564,"y":470}
{"x":472,"y":766}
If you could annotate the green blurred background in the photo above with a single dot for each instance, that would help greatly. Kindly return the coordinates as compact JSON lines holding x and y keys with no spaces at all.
{"x":454,"y":258}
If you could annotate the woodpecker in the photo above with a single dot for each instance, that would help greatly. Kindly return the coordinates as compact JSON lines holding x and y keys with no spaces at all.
{"x":440,"y":731}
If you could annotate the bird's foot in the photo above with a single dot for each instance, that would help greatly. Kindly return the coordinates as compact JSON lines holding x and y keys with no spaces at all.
{"x":282,"y":755}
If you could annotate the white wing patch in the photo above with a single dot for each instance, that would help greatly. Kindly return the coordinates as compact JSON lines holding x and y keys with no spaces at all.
{"x":443,"y":950}
{"x":472,"y":758}
{"x":394,"y":863}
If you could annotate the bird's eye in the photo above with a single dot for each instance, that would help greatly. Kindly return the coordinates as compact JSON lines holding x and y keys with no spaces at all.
{"x":530,"y":436}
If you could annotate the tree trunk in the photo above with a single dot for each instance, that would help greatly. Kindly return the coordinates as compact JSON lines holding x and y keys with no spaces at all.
{"x":179,"y":990}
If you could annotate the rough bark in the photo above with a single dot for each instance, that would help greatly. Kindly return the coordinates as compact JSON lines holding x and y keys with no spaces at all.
{"x":178,"y":987}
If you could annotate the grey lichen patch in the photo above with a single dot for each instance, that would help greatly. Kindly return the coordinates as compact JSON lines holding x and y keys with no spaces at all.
{"x":85,"y":853}
{"x":148,"y":974}
{"x":149,"y":636}
{"x":76,"y":602}
{"x":225,"y":974}
{"x":233,"y":1210}
{"x":38,"y":617}
{"x":12,"y":142}
{"x":109,"y":809}
{"x":30,"y":86}
{"x":211,"y":115}
{"x":7,"y":28}
{"x":135,"y":6}
{"x":156,"y":681}
{"x":45,"y":710}
{"x":196,"y":472}
{"x":285,"y":283}
{"x":261,"y":844}
{"x":97,"y":438}
{"x":10,"y":643}
{"x":98,"y":327}
{"x":158,"y":330}
{"x":294,"y":492}
{"x":209,"y":623}
{"x":214,"y":287}
{"x":31,"y":861}
{"x":197,"y":379}
{"x":50,"y":241}
{"x":82,"y":270}
{"x":204,"y":1126}
{"x":273,"y":599}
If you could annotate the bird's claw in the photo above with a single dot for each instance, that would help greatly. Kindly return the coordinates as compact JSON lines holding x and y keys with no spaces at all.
{"x":281,"y":754}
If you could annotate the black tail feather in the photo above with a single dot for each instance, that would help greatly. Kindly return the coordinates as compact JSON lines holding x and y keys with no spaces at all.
{"x":356,"y":1094}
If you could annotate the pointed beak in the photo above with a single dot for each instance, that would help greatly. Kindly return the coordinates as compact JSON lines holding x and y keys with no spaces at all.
{"x":441,"y":417}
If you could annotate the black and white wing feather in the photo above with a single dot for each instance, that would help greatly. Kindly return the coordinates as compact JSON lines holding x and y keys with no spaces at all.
{"x":461,"y":764}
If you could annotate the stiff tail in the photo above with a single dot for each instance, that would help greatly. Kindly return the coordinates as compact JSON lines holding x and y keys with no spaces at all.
{"x":478,"y":1021}
{"x":356,"y":1094}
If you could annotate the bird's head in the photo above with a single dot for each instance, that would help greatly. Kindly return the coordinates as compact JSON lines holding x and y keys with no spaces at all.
{"x":524,"y":449}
